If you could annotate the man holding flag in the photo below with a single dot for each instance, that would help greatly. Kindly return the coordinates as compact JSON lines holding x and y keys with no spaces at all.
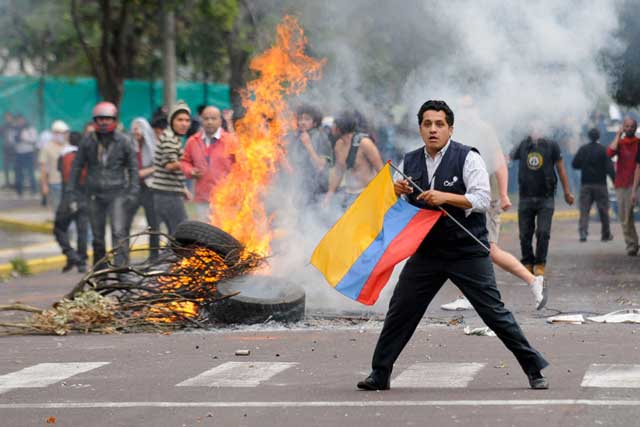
{"x":456,"y":247}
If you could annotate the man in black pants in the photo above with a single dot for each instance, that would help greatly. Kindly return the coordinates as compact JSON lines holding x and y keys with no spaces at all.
{"x":539,"y":159}
{"x":455,"y":178}
{"x":595,"y":165}
{"x":112,"y":182}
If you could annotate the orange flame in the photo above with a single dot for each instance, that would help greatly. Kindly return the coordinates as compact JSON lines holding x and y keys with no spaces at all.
{"x":204,"y":260}
{"x":236,"y":202}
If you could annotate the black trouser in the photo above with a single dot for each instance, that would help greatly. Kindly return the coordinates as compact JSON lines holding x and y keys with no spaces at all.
{"x":113,"y":207}
{"x":145,"y":199}
{"x":420,"y":280}
{"x":535,"y":215}
{"x":170,"y":209}
{"x":589,"y":194}
{"x":64,"y":217}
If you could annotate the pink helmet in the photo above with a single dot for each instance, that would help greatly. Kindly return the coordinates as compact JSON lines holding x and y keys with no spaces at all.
{"x":105,"y":109}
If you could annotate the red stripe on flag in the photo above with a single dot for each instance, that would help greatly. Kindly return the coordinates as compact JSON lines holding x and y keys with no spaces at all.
{"x":403,"y":246}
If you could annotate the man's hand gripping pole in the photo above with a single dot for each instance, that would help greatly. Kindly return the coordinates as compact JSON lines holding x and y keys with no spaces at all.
{"x":417,"y":187}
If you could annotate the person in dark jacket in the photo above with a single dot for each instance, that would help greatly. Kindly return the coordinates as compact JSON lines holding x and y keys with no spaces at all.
{"x":72,"y":210}
{"x":595,"y":165}
{"x":455,"y":178}
{"x":112,"y":181}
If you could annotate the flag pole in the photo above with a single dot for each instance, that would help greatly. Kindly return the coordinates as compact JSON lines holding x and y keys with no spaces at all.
{"x":417,"y":187}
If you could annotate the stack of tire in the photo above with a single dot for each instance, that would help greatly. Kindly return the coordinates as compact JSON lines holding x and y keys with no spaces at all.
{"x":261,"y":298}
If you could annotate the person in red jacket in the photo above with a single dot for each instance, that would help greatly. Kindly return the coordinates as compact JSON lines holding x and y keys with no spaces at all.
{"x":206,"y":157}
{"x":625,"y":146}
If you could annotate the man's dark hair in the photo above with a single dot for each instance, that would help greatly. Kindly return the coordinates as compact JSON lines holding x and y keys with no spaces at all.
{"x":200,"y":109}
{"x":159,"y":122}
{"x":75,"y":138}
{"x":346,"y":122}
{"x":593,"y":134}
{"x":436,"y":105}
{"x":312,"y":111}
{"x":362,"y":124}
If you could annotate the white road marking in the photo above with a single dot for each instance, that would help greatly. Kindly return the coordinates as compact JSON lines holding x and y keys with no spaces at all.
{"x":44,"y":374}
{"x":322,"y":404}
{"x":605,"y":375}
{"x":437,"y":375}
{"x":237,"y":374}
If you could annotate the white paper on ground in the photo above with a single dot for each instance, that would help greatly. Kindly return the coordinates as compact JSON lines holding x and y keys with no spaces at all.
{"x":620,"y":316}
{"x":482,"y":331}
{"x":574,"y":319}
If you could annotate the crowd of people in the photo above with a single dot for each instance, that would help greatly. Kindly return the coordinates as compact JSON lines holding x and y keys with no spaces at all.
{"x":104,"y":175}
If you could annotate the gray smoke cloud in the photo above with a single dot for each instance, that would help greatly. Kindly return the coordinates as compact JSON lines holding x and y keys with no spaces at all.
{"x":518,"y":61}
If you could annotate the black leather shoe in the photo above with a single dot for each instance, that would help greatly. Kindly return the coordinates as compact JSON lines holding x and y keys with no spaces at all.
{"x":537,"y":381}
{"x":371,"y":384}
{"x":68,"y":266}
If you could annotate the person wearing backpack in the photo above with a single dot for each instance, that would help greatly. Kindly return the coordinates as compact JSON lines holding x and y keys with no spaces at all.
{"x":357,"y":159}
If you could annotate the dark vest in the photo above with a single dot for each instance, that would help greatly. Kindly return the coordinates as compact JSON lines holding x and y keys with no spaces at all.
{"x":447,"y":239}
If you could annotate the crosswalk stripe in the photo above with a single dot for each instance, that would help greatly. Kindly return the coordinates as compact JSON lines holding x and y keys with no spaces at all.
{"x":237,"y":374}
{"x":44,"y":374}
{"x":612,"y":375}
{"x":374,"y":403}
{"x":437,"y":375}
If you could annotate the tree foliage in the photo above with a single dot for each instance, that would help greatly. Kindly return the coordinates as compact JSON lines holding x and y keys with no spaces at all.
{"x":624,"y":64}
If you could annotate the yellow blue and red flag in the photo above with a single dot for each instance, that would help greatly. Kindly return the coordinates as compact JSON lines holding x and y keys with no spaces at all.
{"x":380,"y":229}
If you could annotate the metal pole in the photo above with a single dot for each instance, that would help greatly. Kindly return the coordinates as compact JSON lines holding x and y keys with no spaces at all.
{"x":417,"y":187}
{"x":169,"y":57}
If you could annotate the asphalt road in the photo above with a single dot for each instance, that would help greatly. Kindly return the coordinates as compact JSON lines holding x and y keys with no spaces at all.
{"x":306,"y":374}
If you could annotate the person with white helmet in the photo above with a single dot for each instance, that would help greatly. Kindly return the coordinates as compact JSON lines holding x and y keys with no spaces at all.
{"x":50,"y":178}
{"x":112,"y":181}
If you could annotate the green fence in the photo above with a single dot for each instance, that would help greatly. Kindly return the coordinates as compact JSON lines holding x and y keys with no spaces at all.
{"x":43,"y":100}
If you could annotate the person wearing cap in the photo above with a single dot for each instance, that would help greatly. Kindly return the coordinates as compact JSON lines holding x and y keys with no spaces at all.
{"x":167,"y":180}
{"x":112,"y":181}
{"x":50,"y":177}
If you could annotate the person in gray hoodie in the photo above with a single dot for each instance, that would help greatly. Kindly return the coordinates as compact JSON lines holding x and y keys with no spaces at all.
{"x":167,"y":182}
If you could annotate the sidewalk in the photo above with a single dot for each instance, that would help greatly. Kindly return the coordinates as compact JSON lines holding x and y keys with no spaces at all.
{"x":26,"y":232}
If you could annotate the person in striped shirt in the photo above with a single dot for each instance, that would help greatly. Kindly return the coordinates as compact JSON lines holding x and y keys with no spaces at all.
{"x":168,"y":181}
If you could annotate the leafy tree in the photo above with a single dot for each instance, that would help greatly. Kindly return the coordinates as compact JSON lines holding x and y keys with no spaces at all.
{"x":35,"y":42}
{"x":624,"y":64}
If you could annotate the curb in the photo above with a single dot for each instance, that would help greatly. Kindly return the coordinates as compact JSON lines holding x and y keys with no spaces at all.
{"x":37,"y":265}
{"x":55,"y":262}
{"x":11,"y":224}
{"x":508,"y":217}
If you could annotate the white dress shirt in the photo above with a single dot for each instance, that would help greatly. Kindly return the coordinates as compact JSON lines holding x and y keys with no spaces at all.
{"x":474,"y":176}
{"x":216,"y":137}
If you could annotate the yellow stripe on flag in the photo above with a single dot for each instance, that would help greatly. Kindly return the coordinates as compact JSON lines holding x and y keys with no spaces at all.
{"x":356,"y":229}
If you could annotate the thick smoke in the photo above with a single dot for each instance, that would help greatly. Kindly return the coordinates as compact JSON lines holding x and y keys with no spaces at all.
{"x":518,"y":61}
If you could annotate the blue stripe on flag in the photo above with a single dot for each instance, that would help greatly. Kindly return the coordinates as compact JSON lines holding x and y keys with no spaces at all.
{"x":395,"y":220}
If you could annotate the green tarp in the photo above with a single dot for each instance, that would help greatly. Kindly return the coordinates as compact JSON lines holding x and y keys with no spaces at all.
{"x":71,"y":99}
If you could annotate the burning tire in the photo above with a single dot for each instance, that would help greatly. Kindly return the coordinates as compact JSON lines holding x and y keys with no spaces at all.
{"x":261,"y":298}
{"x":198,"y":233}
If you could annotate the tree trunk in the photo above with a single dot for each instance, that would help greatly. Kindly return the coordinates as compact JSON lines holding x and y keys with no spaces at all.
{"x":244,"y":25}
